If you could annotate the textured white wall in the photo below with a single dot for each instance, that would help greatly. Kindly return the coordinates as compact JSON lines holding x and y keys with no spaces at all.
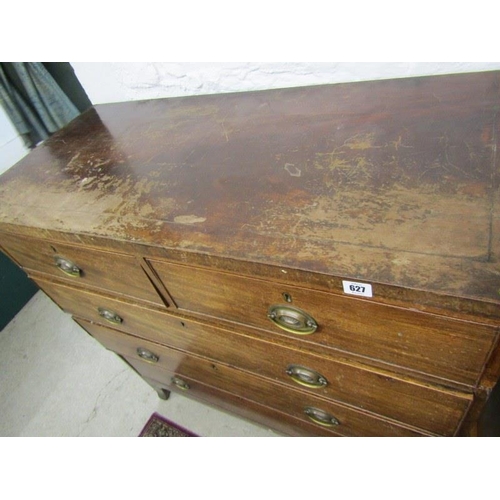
{"x":116,"y":82}
{"x":12,"y":147}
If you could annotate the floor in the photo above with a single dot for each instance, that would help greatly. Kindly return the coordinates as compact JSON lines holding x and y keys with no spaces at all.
{"x":55,"y":380}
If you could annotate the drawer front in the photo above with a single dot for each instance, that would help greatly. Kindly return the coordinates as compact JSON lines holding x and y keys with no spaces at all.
{"x":425,"y":407}
{"x":250,"y":410}
{"x":443,"y":347}
{"x":156,"y":359}
{"x":126,"y":316}
{"x":250,"y":390}
{"x":419,"y":405}
{"x":109,"y":271}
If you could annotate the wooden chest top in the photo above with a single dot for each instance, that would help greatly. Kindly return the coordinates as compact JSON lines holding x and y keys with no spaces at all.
{"x":392,"y":182}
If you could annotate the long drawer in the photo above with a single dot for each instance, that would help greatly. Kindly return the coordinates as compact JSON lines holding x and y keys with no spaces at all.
{"x":169,"y":366}
{"x":451,"y":349}
{"x":428,"y":407}
{"x":244,"y":408}
{"x":291,"y":408}
{"x":432,"y":408}
{"x":114,"y":272}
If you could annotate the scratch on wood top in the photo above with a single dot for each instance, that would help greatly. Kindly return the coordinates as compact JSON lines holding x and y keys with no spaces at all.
{"x":394,"y":181}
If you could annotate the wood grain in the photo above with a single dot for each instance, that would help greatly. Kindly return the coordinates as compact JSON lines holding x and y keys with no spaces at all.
{"x":392,"y":182}
{"x":448,"y":348}
{"x":193,"y":369}
{"x":289,"y":405}
{"x":424,"y":407}
{"x":237,"y":346}
{"x":256,"y":413}
{"x":190,"y":216}
{"x":115,"y":272}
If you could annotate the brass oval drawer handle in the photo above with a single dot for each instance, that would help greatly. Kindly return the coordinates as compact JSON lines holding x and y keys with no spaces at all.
{"x":321,"y":417}
{"x":67,"y":267}
{"x":147,"y":355}
{"x":110,"y":316}
{"x":180,"y":384}
{"x":306,"y":377}
{"x":292,"y":319}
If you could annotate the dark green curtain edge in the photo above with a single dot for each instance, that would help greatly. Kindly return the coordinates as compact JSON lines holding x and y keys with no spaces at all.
{"x":34,"y":101}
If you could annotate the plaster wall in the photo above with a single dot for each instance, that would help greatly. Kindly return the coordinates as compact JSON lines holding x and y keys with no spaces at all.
{"x":117,"y":82}
{"x":12,"y":147}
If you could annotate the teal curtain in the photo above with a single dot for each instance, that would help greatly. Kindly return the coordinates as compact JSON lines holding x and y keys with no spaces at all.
{"x":33,"y":100}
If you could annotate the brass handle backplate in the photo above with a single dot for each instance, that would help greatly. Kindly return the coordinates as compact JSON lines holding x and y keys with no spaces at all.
{"x":321,"y":417}
{"x":67,"y":267}
{"x":147,"y":355}
{"x":109,"y":316}
{"x":292,"y":319}
{"x":306,"y":377}
{"x":180,"y":384}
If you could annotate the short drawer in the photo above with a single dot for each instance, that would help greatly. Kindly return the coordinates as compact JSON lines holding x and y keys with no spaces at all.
{"x":115,"y":272}
{"x":155,"y":362}
{"x":128,"y":317}
{"x":426,"y":407}
{"x":447,"y":348}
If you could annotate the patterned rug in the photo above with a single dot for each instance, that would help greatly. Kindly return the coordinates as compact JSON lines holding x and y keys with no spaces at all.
{"x":158,"y":426}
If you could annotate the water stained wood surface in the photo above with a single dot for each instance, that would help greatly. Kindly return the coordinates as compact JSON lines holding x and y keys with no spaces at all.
{"x":393,"y":181}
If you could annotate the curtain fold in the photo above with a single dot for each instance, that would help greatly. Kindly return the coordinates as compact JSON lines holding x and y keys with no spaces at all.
{"x":34,"y":101}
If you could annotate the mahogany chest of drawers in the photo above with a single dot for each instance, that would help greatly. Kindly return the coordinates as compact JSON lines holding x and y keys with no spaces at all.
{"x":323,"y":260}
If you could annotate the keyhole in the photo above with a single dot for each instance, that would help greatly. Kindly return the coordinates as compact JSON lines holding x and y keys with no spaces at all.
{"x":287,"y":297}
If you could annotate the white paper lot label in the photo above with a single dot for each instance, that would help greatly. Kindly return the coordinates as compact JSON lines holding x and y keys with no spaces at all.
{"x":361,"y":289}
